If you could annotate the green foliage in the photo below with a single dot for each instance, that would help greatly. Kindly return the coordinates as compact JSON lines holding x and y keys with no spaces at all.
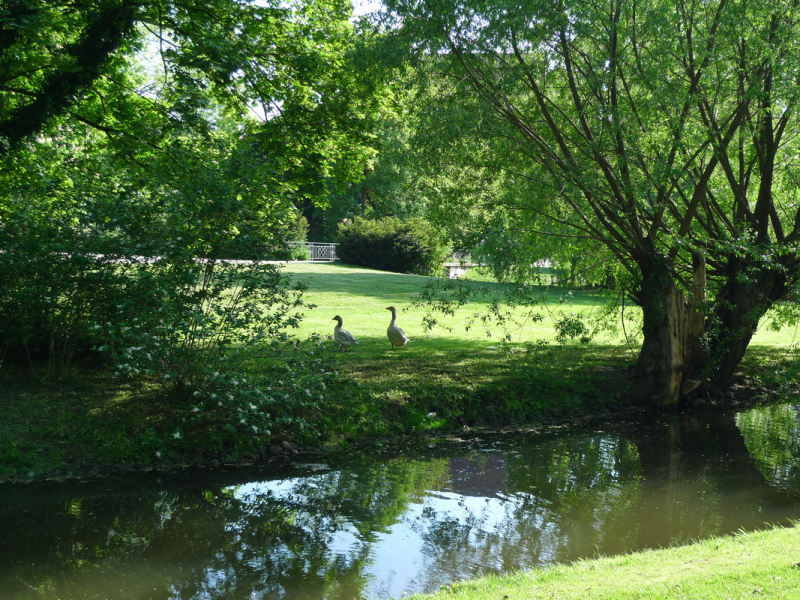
{"x":390,"y":244}
{"x":580,"y":133}
{"x":136,"y":174}
{"x":295,"y":243}
{"x":246,"y":410}
{"x":570,"y":328}
{"x":50,"y":56}
{"x":191,"y":319}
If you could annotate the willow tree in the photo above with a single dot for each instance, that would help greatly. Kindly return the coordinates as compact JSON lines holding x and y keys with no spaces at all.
{"x":665,"y":131}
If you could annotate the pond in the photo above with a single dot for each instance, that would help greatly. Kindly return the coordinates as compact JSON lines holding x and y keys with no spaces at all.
{"x":383,"y":525}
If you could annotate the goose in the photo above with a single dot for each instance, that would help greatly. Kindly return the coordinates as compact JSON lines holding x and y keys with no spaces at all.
{"x":397,"y":336}
{"x":342,"y":337}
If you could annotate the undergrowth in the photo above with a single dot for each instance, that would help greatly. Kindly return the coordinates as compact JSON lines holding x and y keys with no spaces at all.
{"x":312,"y":397}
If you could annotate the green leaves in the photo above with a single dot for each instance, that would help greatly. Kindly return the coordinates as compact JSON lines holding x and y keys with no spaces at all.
{"x":390,"y":244}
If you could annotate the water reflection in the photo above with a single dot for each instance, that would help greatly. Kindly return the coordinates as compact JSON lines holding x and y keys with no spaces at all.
{"x":386,"y":526}
{"x":772,"y":435}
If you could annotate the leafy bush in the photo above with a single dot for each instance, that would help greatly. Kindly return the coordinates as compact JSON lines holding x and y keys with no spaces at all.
{"x":300,"y":252}
{"x":390,"y":244}
{"x":50,"y":296}
{"x":228,"y":413}
{"x":293,"y":247}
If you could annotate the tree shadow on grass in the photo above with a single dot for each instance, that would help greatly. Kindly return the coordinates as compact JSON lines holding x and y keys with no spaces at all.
{"x":472,"y":383}
{"x":394,"y":287}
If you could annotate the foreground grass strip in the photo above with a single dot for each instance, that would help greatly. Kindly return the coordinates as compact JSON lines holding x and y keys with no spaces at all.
{"x":761,"y":564}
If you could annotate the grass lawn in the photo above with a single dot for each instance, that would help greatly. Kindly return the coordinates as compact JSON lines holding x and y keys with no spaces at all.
{"x":360,"y":296}
{"x":464,"y":375}
{"x":457,"y":361}
{"x":763,"y":564}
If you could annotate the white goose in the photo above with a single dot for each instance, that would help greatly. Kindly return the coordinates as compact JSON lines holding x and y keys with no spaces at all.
{"x":344,"y":338}
{"x":396,"y":335}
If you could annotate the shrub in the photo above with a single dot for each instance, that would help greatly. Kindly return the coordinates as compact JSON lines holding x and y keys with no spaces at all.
{"x":51,"y":293}
{"x":390,"y":244}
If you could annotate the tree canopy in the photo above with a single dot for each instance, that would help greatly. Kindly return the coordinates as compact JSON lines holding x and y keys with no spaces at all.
{"x":665,"y":132}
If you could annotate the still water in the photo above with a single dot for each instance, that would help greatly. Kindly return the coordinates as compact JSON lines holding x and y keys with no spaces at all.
{"x":386,"y":525}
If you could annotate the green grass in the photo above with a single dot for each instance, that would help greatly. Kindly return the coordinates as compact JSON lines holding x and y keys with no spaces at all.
{"x":77,"y":423}
{"x":463,"y":375}
{"x":360,"y":296}
{"x":448,"y":366}
{"x":761,"y":564}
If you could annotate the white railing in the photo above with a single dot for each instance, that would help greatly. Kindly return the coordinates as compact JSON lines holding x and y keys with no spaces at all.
{"x":318,"y":251}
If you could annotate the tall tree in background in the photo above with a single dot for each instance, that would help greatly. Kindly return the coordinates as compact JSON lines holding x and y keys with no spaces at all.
{"x":665,"y":131}
{"x":160,"y":128}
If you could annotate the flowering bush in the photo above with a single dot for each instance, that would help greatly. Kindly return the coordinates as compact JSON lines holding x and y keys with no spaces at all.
{"x":219,"y":344}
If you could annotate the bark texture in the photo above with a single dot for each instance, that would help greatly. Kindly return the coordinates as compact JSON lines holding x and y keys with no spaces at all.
{"x":673,"y":326}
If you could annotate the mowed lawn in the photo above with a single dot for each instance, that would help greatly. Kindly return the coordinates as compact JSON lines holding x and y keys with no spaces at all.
{"x":444,"y":369}
{"x":360,"y":296}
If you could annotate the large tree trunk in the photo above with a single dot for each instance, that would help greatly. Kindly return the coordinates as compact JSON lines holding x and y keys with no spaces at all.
{"x":672,"y":326}
{"x":740,"y":304}
{"x":677,"y":354}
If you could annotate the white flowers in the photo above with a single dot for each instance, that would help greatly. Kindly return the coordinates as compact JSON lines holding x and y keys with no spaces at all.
{"x":177,"y":435}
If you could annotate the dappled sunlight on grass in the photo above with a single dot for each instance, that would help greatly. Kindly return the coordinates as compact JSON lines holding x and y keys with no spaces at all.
{"x":68,"y":423}
{"x":360,"y":296}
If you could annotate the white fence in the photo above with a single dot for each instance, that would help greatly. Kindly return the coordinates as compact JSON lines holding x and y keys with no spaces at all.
{"x":318,"y":251}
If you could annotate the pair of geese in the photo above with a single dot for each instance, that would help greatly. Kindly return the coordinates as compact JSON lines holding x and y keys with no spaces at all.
{"x":345,"y":339}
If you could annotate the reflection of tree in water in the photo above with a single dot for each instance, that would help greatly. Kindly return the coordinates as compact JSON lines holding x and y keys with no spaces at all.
{"x":273,"y":539}
{"x":682,"y":479}
{"x":556,"y":495}
{"x":772,"y":435}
